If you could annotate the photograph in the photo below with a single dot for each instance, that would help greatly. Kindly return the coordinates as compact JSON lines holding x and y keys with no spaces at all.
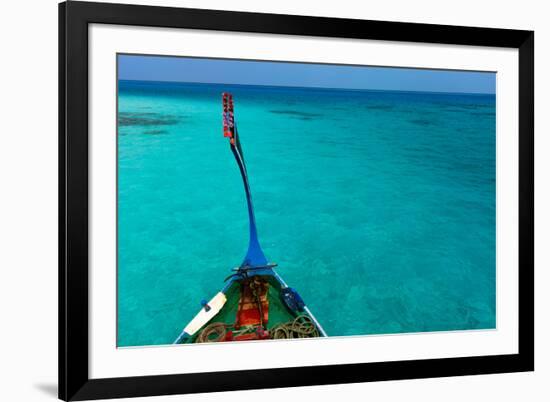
{"x":275,"y":200}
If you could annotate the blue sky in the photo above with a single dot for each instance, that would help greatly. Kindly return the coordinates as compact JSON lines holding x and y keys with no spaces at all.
{"x":184,"y":69}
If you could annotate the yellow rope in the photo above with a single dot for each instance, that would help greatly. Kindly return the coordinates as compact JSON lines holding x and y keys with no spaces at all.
{"x":301,"y":327}
{"x":214,"y":332}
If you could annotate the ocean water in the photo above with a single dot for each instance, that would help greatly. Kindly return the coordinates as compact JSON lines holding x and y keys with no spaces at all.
{"x":379,"y":207}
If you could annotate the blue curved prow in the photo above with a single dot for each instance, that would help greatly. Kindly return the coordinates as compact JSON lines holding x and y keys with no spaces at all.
{"x":254,"y":256}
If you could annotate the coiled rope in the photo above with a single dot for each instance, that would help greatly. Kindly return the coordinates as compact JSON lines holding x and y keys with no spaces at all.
{"x":301,"y":327}
{"x":214,"y":332}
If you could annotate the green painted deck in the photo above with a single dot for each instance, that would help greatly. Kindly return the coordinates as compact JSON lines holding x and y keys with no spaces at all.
{"x":278,"y":312}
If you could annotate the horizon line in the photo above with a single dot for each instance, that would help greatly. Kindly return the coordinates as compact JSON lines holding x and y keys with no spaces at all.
{"x":312,"y":87}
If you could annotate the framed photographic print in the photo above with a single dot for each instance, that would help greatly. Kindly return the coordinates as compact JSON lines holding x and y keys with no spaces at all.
{"x":257,"y":200}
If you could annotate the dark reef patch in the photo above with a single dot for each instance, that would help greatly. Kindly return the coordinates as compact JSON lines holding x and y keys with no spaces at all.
{"x":422,"y":122}
{"x":379,"y":107}
{"x":154,"y":132}
{"x":296,"y":114}
{"x":146,"y":119}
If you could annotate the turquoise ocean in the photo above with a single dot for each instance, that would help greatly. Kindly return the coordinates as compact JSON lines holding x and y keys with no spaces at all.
{"x":379,"y":207}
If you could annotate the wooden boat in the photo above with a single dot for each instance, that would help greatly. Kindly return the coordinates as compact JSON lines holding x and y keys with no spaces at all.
{"x":255,"y":303}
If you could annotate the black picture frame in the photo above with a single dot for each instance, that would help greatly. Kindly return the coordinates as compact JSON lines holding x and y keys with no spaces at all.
{"x":74,"y":18}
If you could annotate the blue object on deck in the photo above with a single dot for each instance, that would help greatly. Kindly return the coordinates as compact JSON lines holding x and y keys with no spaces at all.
{"x":204,"y":303}
{"x":292,"y":299}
